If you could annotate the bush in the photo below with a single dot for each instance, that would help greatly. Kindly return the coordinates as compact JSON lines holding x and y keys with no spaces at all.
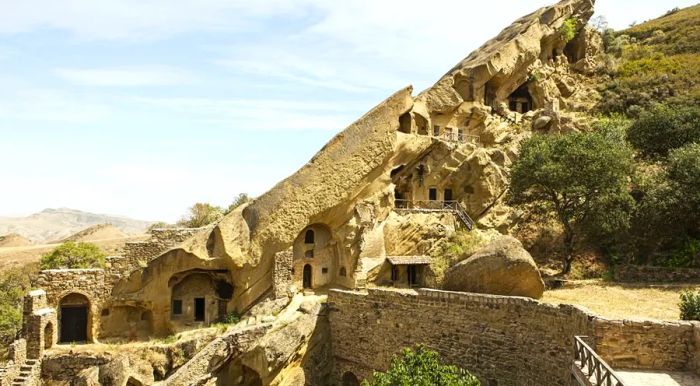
{"x":568,"y":29}
{"x":241,"y":199}
{"x":690,"y":305}
{"x":201,"y":214}
{"x":421,"y":367}
{"x":14,"y":284}
{"x":232,"y":318}
{"x":664,"y":128}
{"x":73,"y":255}
{"x":459,"y":245}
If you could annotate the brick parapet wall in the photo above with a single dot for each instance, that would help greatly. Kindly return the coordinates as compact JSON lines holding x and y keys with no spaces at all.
{"x":643,"y":273}
{"x":502,"y":340}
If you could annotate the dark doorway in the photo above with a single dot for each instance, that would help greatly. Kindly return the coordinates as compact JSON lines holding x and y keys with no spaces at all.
{"x":307,"y":276}
{"x":448,"y":194}
{"x":432,"y":194}
{"x":74,"y":324}
{"x":412,"y":275}
{"x":198,"y":309}
{"x":349,"y":379}
{"x":48,"y":336}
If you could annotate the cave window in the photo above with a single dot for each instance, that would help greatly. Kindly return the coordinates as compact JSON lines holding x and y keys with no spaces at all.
{"x":436,"y":131}
{"x":343,"y":272}
{"x":432,"y":194}
{"x":405,"y":123}
{"x":105,"y":312}
{"x":460,"y":135}
{"x":177,"y":307}
{"x":309,"y":254}
{"x":309,"y":237}
{"x":324,"y":270}
{"x":520,"y":100}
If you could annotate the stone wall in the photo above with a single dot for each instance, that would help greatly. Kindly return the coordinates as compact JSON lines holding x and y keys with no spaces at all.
{"x":646,"y":344}
{"x":643,"y":273}
{"x":138,"y":254}
{"x":502,"y":340}
{"x":16,"y":357}
{"x":282,"y":275}
{"x":66,"y":367}
{"x":60,"y":282}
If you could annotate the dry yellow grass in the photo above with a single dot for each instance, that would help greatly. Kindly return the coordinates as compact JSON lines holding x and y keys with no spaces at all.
{"x":621,"y":301}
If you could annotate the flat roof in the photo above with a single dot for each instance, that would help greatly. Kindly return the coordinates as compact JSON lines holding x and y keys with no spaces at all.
{"x":409,"y":260}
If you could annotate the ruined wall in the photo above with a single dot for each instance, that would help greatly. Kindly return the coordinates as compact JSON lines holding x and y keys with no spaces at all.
{"x":637,"y":273}
{"x":138,"y":254}
{"x":282,"y":276}
{"x":16,"y":357}
{"x":508,"y":340}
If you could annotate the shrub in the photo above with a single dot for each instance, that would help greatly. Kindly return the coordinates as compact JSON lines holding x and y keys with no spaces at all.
{"x":458,"y":246}
{"x":421,"y":367}
{"x":690,"y":305}
{"x":14,"y":284}
{"x":664,"y":128}
{"x":201,"y":214}
{"x":568,"y":29}
{"x":241,"y":199}
{"x":73,"y":255}
{"x":232,"y":318}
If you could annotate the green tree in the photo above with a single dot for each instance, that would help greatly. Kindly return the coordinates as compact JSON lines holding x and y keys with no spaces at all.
{"x":201,"y":214}
{"x":241,"y":199}
{"x":14,"y":284}
{"x":421,"y":367}
{"x":73,"y":255}
{"x":664,"y":128}
{"x":568,"y":29}
{"x":580,"y":179}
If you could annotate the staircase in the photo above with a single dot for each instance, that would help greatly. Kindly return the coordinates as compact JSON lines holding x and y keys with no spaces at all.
{"x":461,"y":213}
{"x":28,"y":373}
{"x":436,"y":206}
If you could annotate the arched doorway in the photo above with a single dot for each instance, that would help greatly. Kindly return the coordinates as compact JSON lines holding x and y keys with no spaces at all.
{"x":349,"y":379}
{"x":73,"y":318}
{"x":48,"y":336}
{"x":308,"y":280}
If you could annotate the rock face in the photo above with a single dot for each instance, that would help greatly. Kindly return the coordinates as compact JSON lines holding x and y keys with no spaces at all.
{"x":503,"y":267}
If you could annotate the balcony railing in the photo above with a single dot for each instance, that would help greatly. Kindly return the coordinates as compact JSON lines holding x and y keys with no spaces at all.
{"x":589,"y":369}
{"x":460,"y":137}
{"x":437,"y":206}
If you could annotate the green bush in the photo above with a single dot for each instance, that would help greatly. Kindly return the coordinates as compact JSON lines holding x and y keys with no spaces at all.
{"x":241,"y":199}
{"x":690,"y":305}
{"x":73,"y":255}
{"x":664,"y":128}
{"x":568,"y":29}
{"x":201,"y":214}
{"x":232,"y":318}
{"x":14,"y":284}
{"x":421,"y":367}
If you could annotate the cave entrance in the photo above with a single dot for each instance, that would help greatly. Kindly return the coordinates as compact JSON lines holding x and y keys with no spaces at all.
{"x":349,"y":379}
{"x":405,"y":123}
{"x":199,"y":309}
{"x":520,"y":100}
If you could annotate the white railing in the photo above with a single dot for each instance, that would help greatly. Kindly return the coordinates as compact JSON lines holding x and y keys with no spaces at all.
{"x":589,"y":369}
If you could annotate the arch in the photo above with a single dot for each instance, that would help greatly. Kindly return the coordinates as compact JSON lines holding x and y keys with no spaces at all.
{"x":350,"y":379}
{"x":308,"y":276}
{"x":405,"y":123}
{"x":48,"y":336}
{"x":133,"y":382}
{"x":309,"y":236}
{"x":74,"y":318}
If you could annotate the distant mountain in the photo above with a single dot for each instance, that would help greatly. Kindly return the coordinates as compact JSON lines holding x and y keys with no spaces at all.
{"x":97,"y":232}
{"x":57,"y":224}
{"x":14,"y":240}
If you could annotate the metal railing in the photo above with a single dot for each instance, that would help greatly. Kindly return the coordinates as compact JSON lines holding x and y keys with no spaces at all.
{"x":588,"y":369}
{"x":460,"y":138}
{"x":437,"y":206}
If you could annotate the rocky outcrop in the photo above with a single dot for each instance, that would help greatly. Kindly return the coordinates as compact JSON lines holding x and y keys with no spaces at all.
{"x":503,"y":267}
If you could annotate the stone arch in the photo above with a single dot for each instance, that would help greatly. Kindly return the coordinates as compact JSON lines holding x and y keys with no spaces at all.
{"x":350,"y":379}
{"x":48,"y":335}
{"x":405,"y":122}
{"x":199,"y":296}
{"x":74,"y":318}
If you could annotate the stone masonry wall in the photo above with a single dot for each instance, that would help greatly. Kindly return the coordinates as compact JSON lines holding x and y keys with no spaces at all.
{"x":60,"y":282}
{"x":282,"y":275}
{"x":646,"y":344}
{"x":502,"y":340}
{"x":637,"y":273}
{"x":16,"y":358}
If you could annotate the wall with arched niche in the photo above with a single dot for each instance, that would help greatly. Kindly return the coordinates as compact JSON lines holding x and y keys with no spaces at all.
{"x":315,"y":252}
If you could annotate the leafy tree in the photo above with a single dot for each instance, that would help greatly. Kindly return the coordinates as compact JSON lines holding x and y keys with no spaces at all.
{"x":664,"y":128}
{"x":201,"y":214}
{"x":241,"y":199}
{"x":14,"y":284}
{"x":73,"y":255}
{"x":580,"y":179}
{"x":421,"y":367}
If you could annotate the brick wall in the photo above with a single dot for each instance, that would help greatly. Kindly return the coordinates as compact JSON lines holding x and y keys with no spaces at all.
{"x":502,"y":340}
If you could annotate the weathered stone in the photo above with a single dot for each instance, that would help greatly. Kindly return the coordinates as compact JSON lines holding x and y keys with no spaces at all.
{"x":503,"y":267}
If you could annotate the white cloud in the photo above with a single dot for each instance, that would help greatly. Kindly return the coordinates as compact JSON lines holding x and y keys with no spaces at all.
{"x":124,"y":77}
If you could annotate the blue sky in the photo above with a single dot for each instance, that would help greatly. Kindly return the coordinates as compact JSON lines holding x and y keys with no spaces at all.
{"x":142,"y":108}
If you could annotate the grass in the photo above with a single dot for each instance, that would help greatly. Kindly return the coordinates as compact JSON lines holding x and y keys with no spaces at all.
{"x":622,"y":301}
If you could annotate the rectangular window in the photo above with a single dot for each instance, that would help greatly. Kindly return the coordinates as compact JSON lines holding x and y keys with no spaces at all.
{"x":199,"y":309}
{"x":177,"y":307}
{"x":432,"y":194}
{"x":448,"y":194}
{"x":436,"y":131}
{"x":324,"y":270}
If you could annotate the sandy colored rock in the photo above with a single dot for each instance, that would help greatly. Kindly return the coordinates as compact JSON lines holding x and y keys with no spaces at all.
{"x":503,"y":267}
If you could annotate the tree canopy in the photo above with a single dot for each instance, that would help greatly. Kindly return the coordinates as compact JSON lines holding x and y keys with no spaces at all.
{"x":663,"y":128}
{"x":421,"y":367}
{"x":581,"y":179}
{"x":73,"y":255}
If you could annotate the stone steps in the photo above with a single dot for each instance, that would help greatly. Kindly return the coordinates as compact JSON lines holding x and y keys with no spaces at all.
{"x":27,"y":373}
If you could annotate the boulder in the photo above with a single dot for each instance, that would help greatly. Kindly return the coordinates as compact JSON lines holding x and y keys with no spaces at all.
{"x":503,"y":267}
{"x":542,"y":122}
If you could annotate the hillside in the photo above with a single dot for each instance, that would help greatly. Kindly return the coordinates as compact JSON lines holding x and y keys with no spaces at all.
{"x":57,"y":224}
{"x":656,"y":61}
{"x":97,"y":232}
{"x":14,"y":240}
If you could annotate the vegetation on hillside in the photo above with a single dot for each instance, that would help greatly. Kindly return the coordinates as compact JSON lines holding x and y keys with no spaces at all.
{"x":421,"y":367}
{"x":72,"y":255}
